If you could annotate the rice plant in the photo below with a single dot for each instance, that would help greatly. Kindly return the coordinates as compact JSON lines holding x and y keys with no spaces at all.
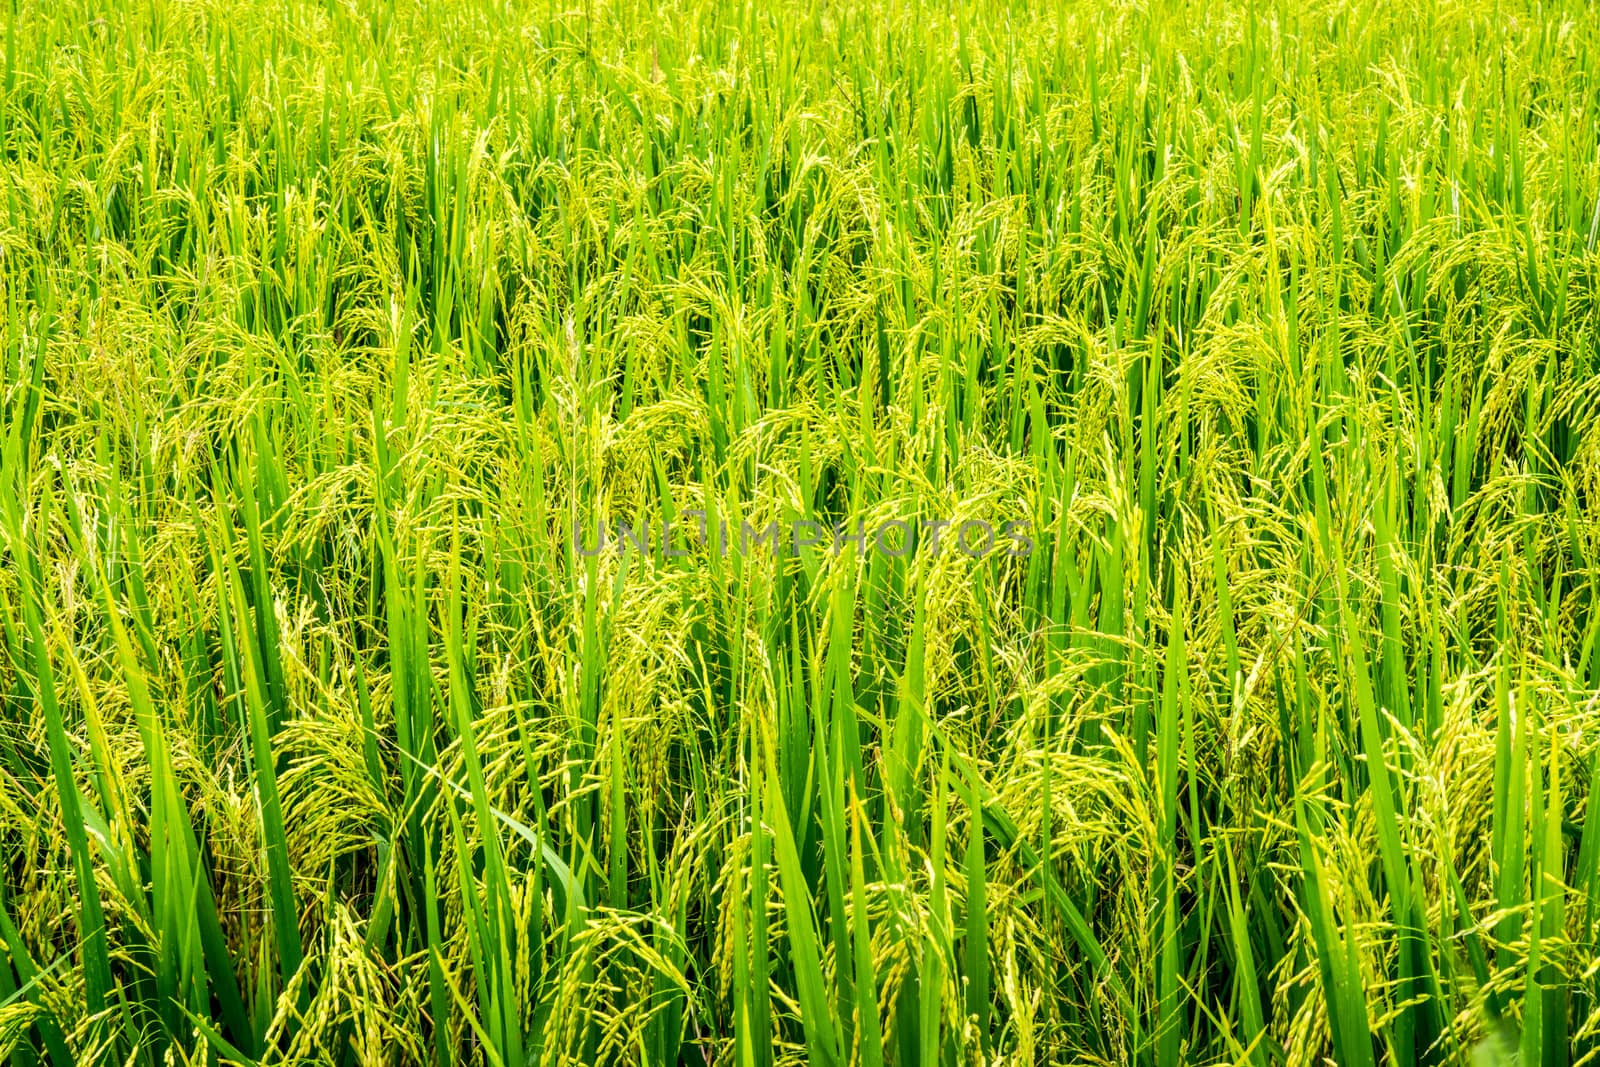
{"x":850,"y":532}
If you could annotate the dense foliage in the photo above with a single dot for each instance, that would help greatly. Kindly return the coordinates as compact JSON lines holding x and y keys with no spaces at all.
{"x":326,"y":324}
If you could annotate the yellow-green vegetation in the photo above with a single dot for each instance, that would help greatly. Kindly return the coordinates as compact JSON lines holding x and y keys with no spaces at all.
{"x":323,"y":323}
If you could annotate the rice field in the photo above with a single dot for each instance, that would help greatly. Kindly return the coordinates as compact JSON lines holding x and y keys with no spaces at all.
{"x":854,"y":532}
